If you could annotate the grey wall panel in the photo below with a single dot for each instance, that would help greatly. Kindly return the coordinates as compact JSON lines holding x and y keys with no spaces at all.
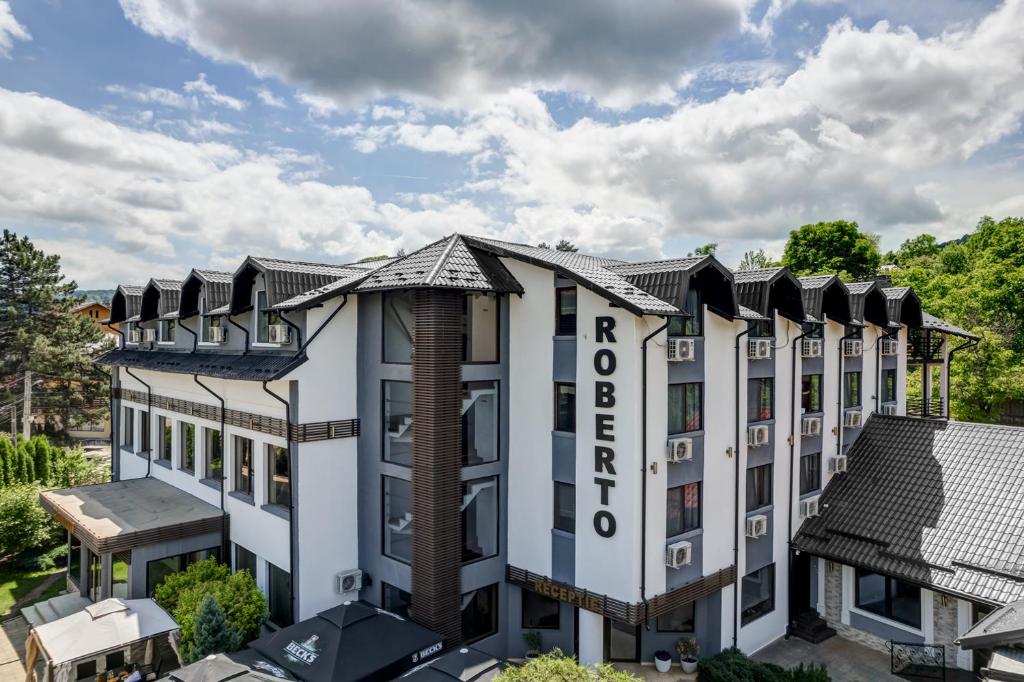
{"x":883,"y":630}
{"x":759,"y":550}
{"x":563,"y":556}
{"x":563,"y":457}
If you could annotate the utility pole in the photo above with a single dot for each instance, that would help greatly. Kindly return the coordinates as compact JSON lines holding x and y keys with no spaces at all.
{"x":14,"y":419}
{"x":26,"y":418}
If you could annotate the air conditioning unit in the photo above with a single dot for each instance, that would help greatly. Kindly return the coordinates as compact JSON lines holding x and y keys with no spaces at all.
{"x":889,"y":346}
{"x":810,"y":426}
{"x":278,"y":333}
{"x":134,"y":336}
{"x":759,"y":349}
{"x":812,"y":348}
{"x":218,"y":335}
{"x":809,"y":507}
{"x":678,"y":554}
{"x":889,"y":409}
{"x":348,"y":583}
{"x":757,"y":525}
{"x":837,"y":465}
{"x":757,"y":436}
{"x":853,"y":348}
{"x":679,"y":450}
{"x":853,"y":418}
{"x":149,"y":335}
{"x":680,"y":349}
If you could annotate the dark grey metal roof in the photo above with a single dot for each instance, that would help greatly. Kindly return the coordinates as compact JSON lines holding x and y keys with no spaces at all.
{"x":868,"y":303}
{"x":252,"y":367}
{"x":939,"y":503}
{"x":216,"y":285}
{"x":904,"y":306}
{"x":159,"y":299}
{"x":767,"y":290}
{"x":746,"y":313}
{"x":929,"y":321}
{"x":670,"y":280}
{"x":284,"y":279}
{"x":125,"y":302}
{"x":825,"y":296}
{"x":1002,"y":627}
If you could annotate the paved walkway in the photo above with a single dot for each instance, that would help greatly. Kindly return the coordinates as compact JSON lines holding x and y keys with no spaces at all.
{"x":650,"y":674}
{"x":13,"y":634}
{"x":33,"y":596}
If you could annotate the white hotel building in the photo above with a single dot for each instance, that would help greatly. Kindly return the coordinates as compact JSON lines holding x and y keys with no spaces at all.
{"x":494,"y":439}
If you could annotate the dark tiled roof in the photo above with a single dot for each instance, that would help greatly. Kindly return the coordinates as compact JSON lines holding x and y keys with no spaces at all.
{"x":746,"y":313}
{"x":671,"y":279}
{"x":929,"y":321}
{"x":160,"y":298}
{"x":934,"y":502}
{"x":284,"y":279}
{"x":216,"y":285}
{"x":252,"y":367}
{"x":125,"y":302}
{"x":1004,"y":626}
{"x":825,"y":296}
{"x":868,"y":301}
{"x":766,"y":290}
{"x":904,"y":306}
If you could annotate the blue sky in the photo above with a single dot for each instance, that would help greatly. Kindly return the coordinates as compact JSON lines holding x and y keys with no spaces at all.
{"x":141,"y":138}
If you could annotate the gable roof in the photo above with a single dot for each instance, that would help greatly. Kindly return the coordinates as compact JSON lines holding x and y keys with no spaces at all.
{"x":904,"y":306}
{"x":284,"y":279}
{"x":216,"y":285}
{"x":929,"y":321}
{"x":1002,"y":627}
{"x":125,"y":302}
{"x":767,"y":290}
{"x":670,"y":280}
{"x":160,"y":299}
{"x":825,"y":296}
{"x":937,"y":503}
{"x":868,"y":304}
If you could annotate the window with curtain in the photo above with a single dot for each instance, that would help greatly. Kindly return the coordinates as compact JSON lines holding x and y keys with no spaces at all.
{"x":851,"y":389}
{"x":889,"y":386}
{"x":760,"y":399}
{"x":810,"y":393}
{"x":759,"y":487}
{"x":683,"y":509}
{"x":685,"y":403}
{"x":565,"y":507}
{"x":565,"y":407}
{"x":810,"y":473}
{"x":565,"y":313}
{"x":758,"y":594}
{"x":279,"y":485}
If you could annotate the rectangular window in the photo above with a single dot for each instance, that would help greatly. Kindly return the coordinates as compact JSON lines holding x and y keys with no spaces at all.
{"x":279,"y":485}
{"x":399,"y":325}
{"x":565,"y":315}
{"x":159,"y":569}
{"x":479,"y":422}
{"x":685,"y":402}
{"x":479,"y":518}
{"x":187,"y":434}
{"x":213,"y":452}
{"x":163,"y":452}
{"x":683,"y":509}
{"x":395,"y":600}
{"x":889,"y":597}
{"x":245,"y":561}
{"x":889,"y":386}
{"x":813,"y":330}
{"x":264,"y":318}
{"x":279,"y":595}
{"x":758,"y":596}
{"x":211,"y":322}
{"x":565,"y":407}
{"x":397,"y":398}
{"x":810,"y":393}
{"x":147,"y":446}
{"x":810,"y":473}
{"x":128,"y":428}
{"x":120,"y":566}
{"x":398,"y":519}
{"x":479,"y":614}
{"x":480,"y":328}
{"x":74,"y":559}
{"x":760,"y":399}
{"x":689,"y":326}
{"x":680,"y":619}
{"x":167,"y":330}
{"x":565,"y":507}
{"x":539,"y":612}
{"x":759,"y":487}
{"x":851,"y":389}
{"x":94,"y":574}
{"x":243,"y":465}
{"x":762,"y":329}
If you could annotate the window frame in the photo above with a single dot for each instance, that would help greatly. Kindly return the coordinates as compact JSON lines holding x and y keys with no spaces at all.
{"x":888,"y":601}
{"x":684,"y":528}
{"x":497,"y":520}
{"x":847,"y":384}
{"x":887,"y":374}
{"x":165,"y":432}
{"x":534,"y":625}
{"x":128,"y":428}
{"x":693,"y":619}
{"x":237,"y":464}
{"x":145,"y":435}
{"x":685,"y":403}
{"x":560,"y":330}
{"x":809,"y":379}
{"x":236,"y":566}
{"x":495,"y":615}
{"x":270,"y":452}
{"x":385,"y":295}
{"x":748,"y":618}
{"x":167,"y":331}
{"x":760,"y":415}
{"x":385,"y":528}
{"x":559,"y":385}
{"x":270,"y":592}
{"x":806,"y":472}
{"x":183,"y":441}
{"x":207,"y":469}
{"x":384,"y":414}
{"x":556,"y":516}
{"x":467,"y":336}
{"x":386,"y":589}
{"x":464,"y":421}
{"x":763,"y":471}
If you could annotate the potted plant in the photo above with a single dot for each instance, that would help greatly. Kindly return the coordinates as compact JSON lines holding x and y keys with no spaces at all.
{"x":533,"y":643}
{"x":688,"y":649}
{"x":662,"y":661}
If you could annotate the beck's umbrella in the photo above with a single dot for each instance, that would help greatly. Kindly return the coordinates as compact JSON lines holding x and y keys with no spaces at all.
{"x":462,"y":665}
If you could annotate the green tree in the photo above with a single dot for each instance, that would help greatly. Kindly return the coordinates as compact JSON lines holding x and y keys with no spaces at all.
{"x":834,"y":247}
{"x":213,"y":633}
{"x":24,"y":524}
{"x":6,"y":460}
{"x":708,"y":249}
{"x":562,"y":245}
{"x":40,"y":333}
{"x":753,"y":260}
{"x":41,"y":458}
{"x":921,"y":246}
{"x":557,"y":666}
{"x":28,"y":462}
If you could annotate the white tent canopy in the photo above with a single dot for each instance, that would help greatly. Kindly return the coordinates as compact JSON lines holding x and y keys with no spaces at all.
{"x":104,"y":626}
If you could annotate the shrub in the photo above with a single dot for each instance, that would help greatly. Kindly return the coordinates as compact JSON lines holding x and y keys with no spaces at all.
{"x":557,"y":666}
{"x":6,"y":460}
{"x":811,"y":673}
{"x":43,"y":559}
{"x":732,"y":665}
{"x":213,"y":633}
{"x":24,"y":524}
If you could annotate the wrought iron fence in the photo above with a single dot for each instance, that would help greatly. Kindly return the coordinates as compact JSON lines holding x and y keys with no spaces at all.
{"x":916,"y":407}
{"x":917,"y":660}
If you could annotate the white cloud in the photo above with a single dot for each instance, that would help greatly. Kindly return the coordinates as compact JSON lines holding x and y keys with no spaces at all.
{"x":10,"y":30}
{"x":319,"y":106}
{"x":152,"y":95}
{"x":268,"y":98}
{"x":209,"y":91}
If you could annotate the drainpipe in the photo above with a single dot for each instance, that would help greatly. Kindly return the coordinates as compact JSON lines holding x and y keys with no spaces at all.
{"x":971,"y":343}
{"x":736,"y":503}
{"x":293,"y":529}
{"x":304,"y":346}
{"x":244,"y":331}
{"x":792,"y":467}
{"x":195,"y":337}
{"x":839,"y":398}
{"x":643,"y":470}
{"x":149,"y":420}
{"x":298,"y":332}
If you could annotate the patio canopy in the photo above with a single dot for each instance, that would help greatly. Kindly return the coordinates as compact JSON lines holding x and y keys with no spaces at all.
{"x":465,"y":665}
{"x":350,"y":642}
{"x":241,"y":666}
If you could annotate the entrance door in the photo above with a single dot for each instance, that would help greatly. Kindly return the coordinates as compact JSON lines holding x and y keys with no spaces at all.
{"x":621,"y":641}
{"x":800,"y":585}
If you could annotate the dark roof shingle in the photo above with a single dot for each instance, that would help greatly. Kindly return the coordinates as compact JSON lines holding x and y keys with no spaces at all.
{"x":252,"y":367}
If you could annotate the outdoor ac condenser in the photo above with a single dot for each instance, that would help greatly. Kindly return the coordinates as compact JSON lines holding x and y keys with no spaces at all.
{"x":678,"y":554}
{"x":679,"y":449}
{"x":278,"y":333}
{"x":680,"y":349}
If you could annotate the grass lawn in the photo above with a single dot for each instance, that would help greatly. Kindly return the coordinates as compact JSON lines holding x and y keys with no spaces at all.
{"x":15,"y":584}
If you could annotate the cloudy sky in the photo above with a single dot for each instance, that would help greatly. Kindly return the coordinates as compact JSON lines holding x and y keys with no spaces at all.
{"x":143,"y":137}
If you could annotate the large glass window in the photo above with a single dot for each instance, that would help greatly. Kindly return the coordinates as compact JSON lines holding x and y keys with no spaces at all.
{"x":398,"y":426}
{"x":479,"y":518}
{"x":683,"y":509}
{"x":398,"y":519}
{"x":758,"y":594}
{"x":164,"y":426}
{"x":479,"y":614}
{"x":245,"y":561}
{"x":243,"y":465}
{"x":159,"y":569}
{"x":479,"y":422}
{"x":810,"y":473}
{"x":279,"y":595}
{"x":213,"y":451}
{"x":95,"y":575}
{"x":167,"y":330}
{"x":144,"y":443}
{"x":761,"y":329}
{"x":74,"y":559}
{"x":889,"y":597}
{"x":128,"y":428}
{"x":565,"y":313}
{"x":889,"y":386}
{"x":120,"y":566}
{"x":565,"y":407}
{"x":188,"y":447}
{"x":264,"y":318}
{"x":851,"y":389}
{"x":480,"y":328}
{"x":680,"y":619}
{"x":689,"y":326}
{"x":760,"y":399}
{"x":685,"y":402}
{"x":539,"y":612}
{"x":279,"y":486}
{"x":810,"y":393}
{"x":565,"y":507}
{"x":759,"y":487}
{"x":399,"y":325}
{"x":396,"y":601}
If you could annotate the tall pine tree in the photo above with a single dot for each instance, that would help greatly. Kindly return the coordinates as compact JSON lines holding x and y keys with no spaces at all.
{"x":213,"y":633}
{"x":39,"y":332}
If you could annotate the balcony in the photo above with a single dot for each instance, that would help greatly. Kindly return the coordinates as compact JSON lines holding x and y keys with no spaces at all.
{"x":916,"y":407}
{"x":923,"y":347}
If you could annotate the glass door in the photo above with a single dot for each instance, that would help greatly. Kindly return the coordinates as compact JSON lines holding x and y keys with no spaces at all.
{"x":621,"y":641}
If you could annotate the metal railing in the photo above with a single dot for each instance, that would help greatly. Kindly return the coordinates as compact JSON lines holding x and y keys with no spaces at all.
{"x":921,"y":347}
{"x":916,"y":407}
{"x":917,"y":660}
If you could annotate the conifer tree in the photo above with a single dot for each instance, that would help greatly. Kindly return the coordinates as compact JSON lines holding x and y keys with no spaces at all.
{"x":213,"y":633}
{"x":6,"y":460}
{"x":41,"y":459}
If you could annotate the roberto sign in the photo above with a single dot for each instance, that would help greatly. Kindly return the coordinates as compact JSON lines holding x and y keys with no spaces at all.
{"x":604,"y":424}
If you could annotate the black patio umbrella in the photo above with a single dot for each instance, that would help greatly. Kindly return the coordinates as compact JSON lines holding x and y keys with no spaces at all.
{"x":242,"y":666}
{"x":465,"y":665}
{"x":349,"y":643}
